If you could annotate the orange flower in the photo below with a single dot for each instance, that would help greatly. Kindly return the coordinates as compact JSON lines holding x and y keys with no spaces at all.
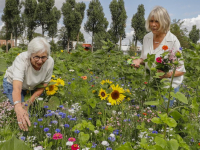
{"x":145,"y":82}
{"x":99,"y":113}
{"x":199,"y":144}
{"x":106,"y":128}
{"x":145,"y":114}
{"x":165,"y":47}
{"x":84,"y":77}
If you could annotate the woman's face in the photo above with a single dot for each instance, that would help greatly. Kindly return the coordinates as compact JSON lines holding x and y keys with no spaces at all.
{"x":38,"y":59}
{"x":154,"y":26}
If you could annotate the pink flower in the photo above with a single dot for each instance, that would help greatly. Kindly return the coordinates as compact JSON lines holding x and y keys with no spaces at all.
{"x":159,"y":59}
{"x":71,"y":139}
{"x":75,"y":147}
{"x":57,"y":136}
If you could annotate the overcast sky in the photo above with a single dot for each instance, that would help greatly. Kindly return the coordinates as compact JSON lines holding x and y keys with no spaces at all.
{"x":187,"y":10}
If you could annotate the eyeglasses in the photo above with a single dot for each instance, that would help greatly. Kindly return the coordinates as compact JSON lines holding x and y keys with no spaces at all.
{"x":37,"y":58}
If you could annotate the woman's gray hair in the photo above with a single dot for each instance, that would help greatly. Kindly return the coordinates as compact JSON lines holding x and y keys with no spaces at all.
{"x":161,"y":15}
{"x":38,"y":44}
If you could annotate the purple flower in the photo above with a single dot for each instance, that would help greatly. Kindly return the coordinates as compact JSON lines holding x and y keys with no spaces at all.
{"x":35,"y":123}
{"x":50,"y":114}
{"x":181,"y":48}
{"x":60,"y":113}
{"x":22,"y":138}
{"x":48,"y":135}
{"x":112,"y":139}
{"x":108,"y":148}
{"x":46,"y":129}
{"x":94,"y":145}
{"x":46,"y":106}
{"x":57,"y":130}
{"x":116,"y":132}
{"x":72,"y":119}
{"x":64,"y":115}
{"x":69,"y":116}
{"x":89,"y":118}
{"x":41,"y":126}
{"x":66,"y":125}
{"x":40,"y":119}
{"x":156,"y":132}
{"x":69,"y":82}
{"x":61,"y":106}
{"x":54,"y":122}
{"x":77,"y":131}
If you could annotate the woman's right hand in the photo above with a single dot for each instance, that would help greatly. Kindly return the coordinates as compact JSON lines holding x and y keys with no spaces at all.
{"x":22,"y":117}
{"x":137,"y":62}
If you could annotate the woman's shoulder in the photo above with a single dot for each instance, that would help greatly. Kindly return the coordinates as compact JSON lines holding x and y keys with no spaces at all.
{"x":148,"y":35}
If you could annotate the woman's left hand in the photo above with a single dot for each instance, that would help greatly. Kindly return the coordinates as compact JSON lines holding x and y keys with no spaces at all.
{"x":166,"y":75}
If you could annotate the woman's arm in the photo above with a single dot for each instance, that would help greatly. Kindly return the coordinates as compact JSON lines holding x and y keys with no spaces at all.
{"x":169,"y":74}
{"x":22,"y":115}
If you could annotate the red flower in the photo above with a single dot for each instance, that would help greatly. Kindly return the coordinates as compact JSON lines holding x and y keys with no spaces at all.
{"x":159,"y":59}
{"x":92,"y":85}
{"x":145,"y":114}
{"x":199,"y":144}
{"x":75,"y":147}
{"x":145,"y":82}
{"x":165,"y":47}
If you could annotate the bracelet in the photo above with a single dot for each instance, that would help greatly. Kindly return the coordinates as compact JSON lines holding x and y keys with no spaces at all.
{"x":16,"y":102}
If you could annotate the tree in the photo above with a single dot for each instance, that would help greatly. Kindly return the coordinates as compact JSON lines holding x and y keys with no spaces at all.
{"x":55,"y":15}
{"x":43,"y":14}
{"x":3,"y":33}
{"x":194,"y":34}
{"x":72,"y":19}
{"x":98,"y":37}
{"x":138,"y":24}
{"x":119,"y":17}
{"x":29,"y":12}
{"x":180,"y":33}
{"x":96,"y":22}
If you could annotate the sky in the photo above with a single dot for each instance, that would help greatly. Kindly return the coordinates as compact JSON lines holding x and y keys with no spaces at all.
{"x":185,"y":10}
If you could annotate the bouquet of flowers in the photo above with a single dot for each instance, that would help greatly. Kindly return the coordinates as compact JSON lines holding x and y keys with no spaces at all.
{"x":168,"y":60}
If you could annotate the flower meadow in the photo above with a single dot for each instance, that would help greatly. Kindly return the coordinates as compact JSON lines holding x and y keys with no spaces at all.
{"x":100,"y":101}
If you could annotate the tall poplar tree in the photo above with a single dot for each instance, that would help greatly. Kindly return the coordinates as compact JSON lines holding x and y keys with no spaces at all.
{"x":138,"y":24}
{"x":29,"y":11}
{"x":194,"y":34}
{"x":96,"y":22}
{"x":72,"y":19}
{"x":119,"y":17}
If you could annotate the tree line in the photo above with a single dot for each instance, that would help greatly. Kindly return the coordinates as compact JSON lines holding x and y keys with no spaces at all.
{"x":44,"y":14}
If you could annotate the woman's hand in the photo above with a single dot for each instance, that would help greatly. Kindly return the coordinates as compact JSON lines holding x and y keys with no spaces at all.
{"x":137,"y":62}
{"x":166,"y":75}
{"x":22,"y":117}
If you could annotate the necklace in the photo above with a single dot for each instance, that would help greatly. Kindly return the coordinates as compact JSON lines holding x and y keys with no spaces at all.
{"x":156,"y":42}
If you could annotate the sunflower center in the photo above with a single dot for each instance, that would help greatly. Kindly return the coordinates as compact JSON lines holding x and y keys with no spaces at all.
{"x":115,"y":94}
{"x":103,"y":94}
{"x":51,"y":88}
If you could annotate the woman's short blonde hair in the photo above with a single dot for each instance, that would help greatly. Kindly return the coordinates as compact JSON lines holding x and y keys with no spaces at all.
{"x":38,"y":44}
{"x":161,"y":15}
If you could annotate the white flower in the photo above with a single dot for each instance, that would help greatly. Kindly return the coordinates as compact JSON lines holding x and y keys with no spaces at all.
{"x":112,"y":135}
{"x":40,"y":99}
{"x":148,"y":108}
{"x":69,"y":143}
{"x":71,"y":110}
{"x":38,"y":148}
{"x":86,"y":148}
{"x":150,"y":129}
{"x":105,"y":143}
{"x":108,"y":104}
{"x":71,"y":70}
{"x":96,"y":131}
{"x":119,"y":113}
{"x":114,"y":112}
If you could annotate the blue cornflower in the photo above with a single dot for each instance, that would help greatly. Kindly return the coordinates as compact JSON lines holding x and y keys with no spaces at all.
{"x":60,"y":113}
{"x":72,"y":119}
{"x":50,"y":114}
{"x":153,"y":105}
{"x":69,"y":116}
{"x":108,"y":148}
{"x":40,"y":119}
{"x":116,"y":131}
{"x":46,"y":106}
{"x":122,"y":84}
{"x":94,"y":145}
{"x":64,"y":115}
{"x":156,"y":132}
{"x":46,"y":129}
{"x":69,"y":82}
{"x":73,"y":78}
{"x":26,"y":104}
{"x":123,"y":77}
{"x":181,"y":48}
{"x":103,"y":127}
{"x":89,"y":118}
{"x":22,"y":138}
{"x":49,"y":111}
{"x":66,"y":125}
{"x":192,"y":140}
{"x":41,"y":126}
{"x":35,"y":123}
{"x":120,"y":78}
{"x":125,"y":120}
{"x":61,"y":106}
{"x":123,"y":143}
{"x":112,"y":139}
{"x":77,"y":131}
{"x":138,"y":115}
{"x":113,"y":77}
{"x":46,"y":115}
{"x":57,"y":130}
{"x":48,"y":135}
{"x":130,"y":88}
{"x":54,"y":122}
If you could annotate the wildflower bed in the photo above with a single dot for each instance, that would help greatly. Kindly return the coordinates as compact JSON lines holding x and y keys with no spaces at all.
{"x":99,"y":101}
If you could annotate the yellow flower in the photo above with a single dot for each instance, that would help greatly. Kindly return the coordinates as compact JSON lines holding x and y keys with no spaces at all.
{"x":116,"y":96}
{"x":106,"y":81}
{"x":53,"y":76}
{"x":60,"y":82}
{"x":91,"y":72}
{"x":51,"y":90}
{"x":93,"y":91}
{"x":62,"y":51}
{"x":102,"y":94}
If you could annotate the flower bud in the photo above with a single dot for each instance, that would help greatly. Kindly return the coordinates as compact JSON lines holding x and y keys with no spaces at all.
{"x":175,"y":62}
{"x":178,"y":54}
{"x":153,"y":69}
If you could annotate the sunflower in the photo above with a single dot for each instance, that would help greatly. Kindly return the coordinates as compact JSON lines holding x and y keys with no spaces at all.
{"x":51,"y":90}
{"x":61,"y":51}
{"x":53,"y":76}
{"x":116,"y":96}
{"x":102,"y":94}
{"x":106,"y":81}
{"x":60,"y":82}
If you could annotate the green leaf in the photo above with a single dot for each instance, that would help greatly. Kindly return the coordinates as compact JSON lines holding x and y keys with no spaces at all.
{"x":161,"y":142}
{"x":152,"y":103}
{"x":195,"y":106}
{"x":53,"y":103}
{"x":126,"y":146}
{"x":176,"y":115}
{"x":83,"y":138}
{"x":15,"y":144}
{"x":3,"y":65}
{"x":98,"y":123}
{"x":91,"y":126}
{"x":171,"y":122}
{"x":181,"y":97}
{"x":78,"y":126}
{"x":156,"y":120}
{"x":173,"y":144}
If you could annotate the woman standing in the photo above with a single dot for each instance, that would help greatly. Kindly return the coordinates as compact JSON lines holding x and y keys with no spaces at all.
{"x":158,"y":22}
{"x":29,"y":69}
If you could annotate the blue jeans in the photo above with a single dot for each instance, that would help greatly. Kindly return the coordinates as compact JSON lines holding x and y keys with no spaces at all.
{"x":171,"y":101}
{"x":8,"y":89}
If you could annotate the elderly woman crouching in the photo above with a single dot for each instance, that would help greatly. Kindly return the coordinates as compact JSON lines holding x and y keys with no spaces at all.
{"x":29,"y":69}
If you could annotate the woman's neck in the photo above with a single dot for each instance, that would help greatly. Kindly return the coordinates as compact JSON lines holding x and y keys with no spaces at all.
{"x":157,"y":38}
